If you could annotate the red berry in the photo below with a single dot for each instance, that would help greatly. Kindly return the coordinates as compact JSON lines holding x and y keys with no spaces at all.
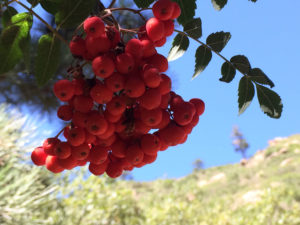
{"x":159,"y":61}
{"x":199,"y":105}
{"x":176,"y":11}
{"x":150,"y":144}
{"x":103,"y":66}
{"x":79,"y":119}
{"x":96,"y":124}
{"x":94,"y":26}
{"x":79,"y":86}
{"x":172,"y":134}
{"x":164,"y":121}
{"x":65,"y":112}
{"x":116,"y":106}
{"x":68,"y":163}
{"x":98,"y":155}
{"x":134,"y":87}
{"x":64,"y":90}
{"x":115,"y":82}
{"x":184,"y":113}
{"x":63,"y":150}
{"x":134,"y":154}
{"x":165,"y":100}
{"x":98,"y":170}
{"x":161,"y":42}
{"x":96,"y":46}
{"x":83,"y":103}
{"x":151,"y":117}
{"x":165,"y":84}
{"x":169,"y":27}
{"x":81,"y":152}
{"x":101,"y":94}
{"x":49,"y":145}
{"x":163,"y":9}
{"x":77,"y":46}
{"x":52,"y":164}
{"x":152,"y":77}
{"x":76,"y":136}
{"x":111,"y":118}
{"x":135,"y":48}
{"x":114,"y":169}
{"x":155,"y":29}
{"x":141,"y":127}
{"x":111,"y":127}
{"x":151,"y":99}
{"x":118,"y":148}
{"x":38,"y":156}
{"x":106,"y":142}
{"x":148,"y":47}
{"x":148,"y":159}
{"x":124,"y":63}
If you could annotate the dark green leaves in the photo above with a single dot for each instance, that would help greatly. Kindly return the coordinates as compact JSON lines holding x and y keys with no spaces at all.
{"x":219,"y":4}
{"x":228,"y":72}
{"x":12,"y":41}
{"x":51,"y":6}
{"x":7,"y":15}
{"x":270,"y":101}
{"x":71,"y":13}
{"x":48,"y":58}
{"x":179,"y":46}
{"x":241,"y":63}
{"x":217,"y":41}
{"x":143,"y":3}
{"x":194,"y":28}
{"x":203,"y":57}
{"x":188,"y":8}
{"x":260,"y":77}
{"x":246,"y":94}
{"x":33,"y":2}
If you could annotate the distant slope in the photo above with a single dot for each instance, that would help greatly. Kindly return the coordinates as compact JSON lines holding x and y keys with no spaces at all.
{"x":264,"y":191}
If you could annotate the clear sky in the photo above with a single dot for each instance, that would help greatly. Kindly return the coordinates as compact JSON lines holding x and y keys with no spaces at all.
{"x":267,"y":32}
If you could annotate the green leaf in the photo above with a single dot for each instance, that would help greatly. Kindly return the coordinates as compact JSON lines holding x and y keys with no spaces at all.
{"x":194,"y":28}
{"x":217,"y":41}
{"x":48,"y":58}
{"x":269,"y":101}
{"x":179,"y":46}
{"x":12,"y":39}
{"x":241,"y":63}
{"x":33,"y":2}
{"x":143,"y":3}
{"x":51,"y":6}
{"x":219,"y":4}
{"x":72,"y":13}
{"x":7,"y":15}
{"x":203,"y":57}
{"x":259,"y":76}
{"x":246,"y":94}
{"x":228,"y":72}
{"x":188,"y":9}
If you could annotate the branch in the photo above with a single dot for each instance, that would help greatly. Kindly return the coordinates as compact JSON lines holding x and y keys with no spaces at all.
{"x":44,"y":22}
{"x":131,"y":10}
{"x":112,"y":4}
{"x":207,"y":46}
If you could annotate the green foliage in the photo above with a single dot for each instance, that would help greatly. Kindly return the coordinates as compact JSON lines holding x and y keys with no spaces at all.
{"x":51,"y":6}
{"x":12,"y":41}
{"x":188,"y":9}
{"x":270,"y":101}
{"x":7,"y":15}
{"x":143,"y":3}
{"x":242,"y":63}
{"x":257,"y":75}
{"x":47,"y":59}
{"x":179,"y":46}
{"x":228,"y":72}
{"x":219,"y":4}
{"x":246,"y":93}
{"x":203,"y":57}
{"x":193,"y":28}
{"x":217,"y":41}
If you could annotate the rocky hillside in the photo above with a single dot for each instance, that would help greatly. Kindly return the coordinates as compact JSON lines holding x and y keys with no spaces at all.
{"x":265,"y":190}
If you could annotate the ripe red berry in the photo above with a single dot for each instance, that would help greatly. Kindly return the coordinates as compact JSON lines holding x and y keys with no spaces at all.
{"x":106,"y":142}
{"x":80,"y":152}
{"x":161,"y":42}
{"x":151,"y":99}
{"x":169,"y":27}
{"x":165,"y":84}
{"x":114,"y":169}
{"x":52,"y":164}
{"x":159,"y":61}
{"x":111,"y":127}
{"x":38,"y":156}
{"x":134,"y":154}
{"x":89,"y":138}
{"x":155,"y":29}
{"x":96,"y":124}
{"x":63,"y":150}
{"x":141,"y":127}
{"x":172,"y":134}
{"x":65,"y":112}
{"x":150,"y":144}
{"x":49,"y":145}
{"x":165,"y":100}
{"x":79,"y":119}
{"x":148,"y":159}
{"x":148,"y":47}
{"x":76,"y":136}
{"x":79,"y":86}
{"x":101,"y":94}
{"x":199,"y":105}
{"x":163,"y":9}
{"x":98,"y":155}
{"x":116,"y":106}
{"x":96,"y":46}
{"x":151,"y":77}
{"x":111,"y":118}
{"x":94,"y":26}
{"x":151,"y":117}
{"x":68,"y":163}
{"x":83,"y":103}
{"x":134,"y":87}
{"x":98,"y":170}
{"x":135,"y":48}
{"x":64,"y":90}
{"x":77,"y":46}
{"x":164,"y":121}
{"x":176,"y":11}
{"x":184,"y":113}
{"x":124,"y":63}
{"x":103,"y":66}
{"x":118,"y":148}
{"x":115,"y":82}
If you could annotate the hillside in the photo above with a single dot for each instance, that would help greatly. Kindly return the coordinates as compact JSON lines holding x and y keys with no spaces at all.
{"x":263,"y":191}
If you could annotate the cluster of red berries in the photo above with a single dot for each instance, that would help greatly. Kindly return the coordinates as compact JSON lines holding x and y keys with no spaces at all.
{"x":125,"y":114}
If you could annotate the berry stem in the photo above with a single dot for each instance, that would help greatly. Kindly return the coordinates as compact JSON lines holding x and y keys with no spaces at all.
{"x":205,"y":45}
{"x":112,"y":4}
{"x":62,"y":130}
{"x":44,"y":22}
{"x":132,"y":10}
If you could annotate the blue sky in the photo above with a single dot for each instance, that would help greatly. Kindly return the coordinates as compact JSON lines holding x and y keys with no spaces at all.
{"x":267,"y":32}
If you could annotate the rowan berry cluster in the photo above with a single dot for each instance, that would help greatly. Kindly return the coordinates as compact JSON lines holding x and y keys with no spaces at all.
{"x":123,"y":116}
